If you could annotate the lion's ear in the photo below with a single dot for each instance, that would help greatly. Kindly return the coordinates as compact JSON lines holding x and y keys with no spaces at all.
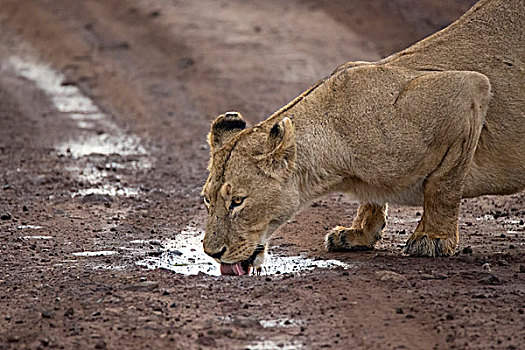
{"x":224,"y":127}
{"x":280,"y":154}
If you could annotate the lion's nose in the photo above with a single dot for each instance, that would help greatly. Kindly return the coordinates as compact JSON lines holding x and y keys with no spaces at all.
{"x":215,"y":255}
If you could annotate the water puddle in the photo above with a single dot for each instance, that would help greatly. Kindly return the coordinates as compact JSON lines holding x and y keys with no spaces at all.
{"x":486,"y":217}
{"x":97,"y":134}
{"x":97,"y":253}
{"x":108,"y":190}
{"x":280,"y":322}
{"x":37,"y":237}
{"x":29,"y":227}
{"x":184,"y":255}
{"x":272,"y":345}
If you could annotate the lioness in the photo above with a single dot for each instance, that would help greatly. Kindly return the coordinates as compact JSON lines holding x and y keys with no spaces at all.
{"x":441,"y":120}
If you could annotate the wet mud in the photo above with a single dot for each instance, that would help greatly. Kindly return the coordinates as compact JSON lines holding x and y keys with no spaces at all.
{"x":104,"y":110}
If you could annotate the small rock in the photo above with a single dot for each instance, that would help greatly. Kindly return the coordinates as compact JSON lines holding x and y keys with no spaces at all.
{"x":386,"y":275}
{"x":522,"y":268}
{"x":487,"y":267}
{"x":25,"y":208}
{"x":490,"y":280}
{"x":96,"y":198}
{"x":433,"y":276}
{"x":13,"y":339}
{"x":101,"y":345}
{"x":467,"y":250}
{"x":145,"y":286}
{"x":450,"y":317}
{"x":7,"y":186}
{"x":399,"y":311}
{"x":154,"y":14}
{"x":46,"y":314}
{"x":503,"y":262}
{"x":69,"y":313}
{"x":206,"y":341}
{"x":6,"y":216}
{"x":186,"y":62}
{"x":245,"y":322}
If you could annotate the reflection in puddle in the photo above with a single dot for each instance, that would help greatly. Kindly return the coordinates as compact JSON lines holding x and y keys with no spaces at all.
{"x":28,"y":227}
{"x":97,"y":134}
{"x":98,"y":253}
{"x":272,"y":345}
{"x":106,"y":139}
{"x":185,"y":255}
{"x":281,"y":322}
{"x":109,"y":191}
{"x":37,"y":237}
{"x":485,"y":217}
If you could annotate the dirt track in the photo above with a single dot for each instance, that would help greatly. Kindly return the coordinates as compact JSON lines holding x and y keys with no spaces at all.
{"x":104,"y":109}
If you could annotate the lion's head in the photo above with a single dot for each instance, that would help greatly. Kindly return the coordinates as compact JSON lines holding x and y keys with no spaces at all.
{"x":249,"y":192}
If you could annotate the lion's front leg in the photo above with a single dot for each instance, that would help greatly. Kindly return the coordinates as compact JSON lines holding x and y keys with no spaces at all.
{"x":366,"y":230}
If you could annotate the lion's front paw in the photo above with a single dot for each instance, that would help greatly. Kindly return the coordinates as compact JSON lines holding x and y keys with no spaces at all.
{"x":430,"y":244}
{"x":346,"y":239}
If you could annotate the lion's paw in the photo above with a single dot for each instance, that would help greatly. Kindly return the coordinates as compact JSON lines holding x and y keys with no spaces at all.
{"x":345,"y":239}
{"x":430,"y":244}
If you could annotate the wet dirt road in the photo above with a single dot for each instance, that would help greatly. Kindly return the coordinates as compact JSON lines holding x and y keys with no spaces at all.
{"x":104,"y":109}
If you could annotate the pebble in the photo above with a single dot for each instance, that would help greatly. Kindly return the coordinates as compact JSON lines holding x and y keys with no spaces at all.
{"x":467,"y":250}
{"x":206,"y":341}
{"x":487,"y":267}
{"x":69,"y":312}
{"x":46,"y":314}
{"x":386,"y":275}
{"x":145,"y":286}
{"x":503,"y":262}
{"x":101,"y":345}
{"x":490,"y":280}
{"x":522,"y":268}
{"x":6,"y":216}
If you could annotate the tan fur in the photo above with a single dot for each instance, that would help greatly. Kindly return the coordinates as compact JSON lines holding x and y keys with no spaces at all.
{"x":442,"y":120}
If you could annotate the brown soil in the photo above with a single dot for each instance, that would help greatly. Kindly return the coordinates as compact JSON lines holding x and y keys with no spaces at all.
{"x":162,"y":70}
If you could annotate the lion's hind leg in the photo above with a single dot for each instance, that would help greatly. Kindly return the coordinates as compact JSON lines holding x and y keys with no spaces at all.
{"x":366,"y":230}
{"x":437,"y":232}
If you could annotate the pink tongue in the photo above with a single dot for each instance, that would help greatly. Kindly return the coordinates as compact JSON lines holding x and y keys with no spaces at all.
{"x":232,"y":269}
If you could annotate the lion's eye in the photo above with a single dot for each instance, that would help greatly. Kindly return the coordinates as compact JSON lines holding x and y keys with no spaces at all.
{"x":206,"y":201}
{"x":236,"y":201}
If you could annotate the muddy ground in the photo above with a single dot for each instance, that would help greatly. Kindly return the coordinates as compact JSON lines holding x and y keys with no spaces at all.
{"x":104,"y":109}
